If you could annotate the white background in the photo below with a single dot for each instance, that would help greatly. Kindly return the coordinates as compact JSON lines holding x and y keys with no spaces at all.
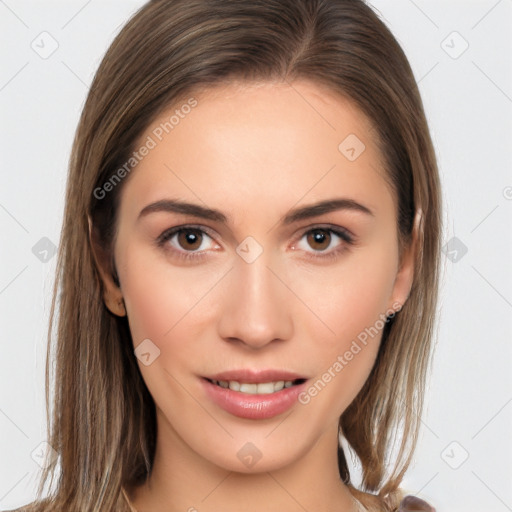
{"x":468,"y":99}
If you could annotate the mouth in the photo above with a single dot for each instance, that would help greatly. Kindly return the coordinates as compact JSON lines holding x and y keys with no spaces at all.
{"x":256,"y":388}
{"x":254,"y":394}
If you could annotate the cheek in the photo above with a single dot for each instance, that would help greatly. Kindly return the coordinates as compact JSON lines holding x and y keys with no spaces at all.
{"x":151,"y":305}
{"x":353,"y":303}
{"x":158,"y":296}
{"x":162,"y":305}
{"x":351,"y":297}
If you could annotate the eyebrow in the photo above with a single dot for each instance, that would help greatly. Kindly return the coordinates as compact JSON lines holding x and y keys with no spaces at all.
{"x":295,"y":215}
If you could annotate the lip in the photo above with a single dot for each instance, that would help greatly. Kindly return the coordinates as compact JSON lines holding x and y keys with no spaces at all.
{"x":255,"y":407}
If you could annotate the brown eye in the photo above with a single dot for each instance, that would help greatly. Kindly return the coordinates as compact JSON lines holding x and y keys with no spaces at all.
{"x":319,"y":239}
{"x":190,"y":239}
{"x":187,"y":243}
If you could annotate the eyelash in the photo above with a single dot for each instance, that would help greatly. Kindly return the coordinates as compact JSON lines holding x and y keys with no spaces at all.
{"x":196,"y":256}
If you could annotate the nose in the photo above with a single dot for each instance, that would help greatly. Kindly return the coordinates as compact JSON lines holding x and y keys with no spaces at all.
{"x":257,"y":306}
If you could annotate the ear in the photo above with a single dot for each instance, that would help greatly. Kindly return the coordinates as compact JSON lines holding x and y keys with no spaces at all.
{"x":112,"y":295}
{"x":405,"y":276}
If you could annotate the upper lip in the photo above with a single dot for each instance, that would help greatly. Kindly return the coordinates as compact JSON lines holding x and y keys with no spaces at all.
{"x":251,"y":376}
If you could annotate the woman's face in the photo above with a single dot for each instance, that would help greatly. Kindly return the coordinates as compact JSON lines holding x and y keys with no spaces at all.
{"x":260,"y":286}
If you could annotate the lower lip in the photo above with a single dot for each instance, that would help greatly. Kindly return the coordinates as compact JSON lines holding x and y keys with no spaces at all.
{"x":254,"y":407}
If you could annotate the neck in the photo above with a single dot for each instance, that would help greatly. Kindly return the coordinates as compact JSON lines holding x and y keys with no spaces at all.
{"x":182,"y":480}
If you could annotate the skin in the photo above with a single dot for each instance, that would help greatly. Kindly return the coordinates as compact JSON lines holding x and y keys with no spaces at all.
{"x":255,"y":152}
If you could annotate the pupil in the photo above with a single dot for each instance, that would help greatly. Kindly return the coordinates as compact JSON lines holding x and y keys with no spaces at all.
{"x":190,"y":239}
{"x":320,"y":237}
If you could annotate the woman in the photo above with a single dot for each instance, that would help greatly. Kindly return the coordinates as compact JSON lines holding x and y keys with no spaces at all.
{"x":248,"y":265}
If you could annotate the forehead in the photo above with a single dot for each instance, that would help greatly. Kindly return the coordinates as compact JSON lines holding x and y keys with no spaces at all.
{"x":243,"y":143}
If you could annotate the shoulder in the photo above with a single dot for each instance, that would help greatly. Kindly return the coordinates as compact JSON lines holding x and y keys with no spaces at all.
{"x":400,"y":502}
{"x":413,"y":504}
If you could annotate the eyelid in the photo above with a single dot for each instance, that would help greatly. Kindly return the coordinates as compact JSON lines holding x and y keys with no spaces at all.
{"x":335,"y":228}
{"x":168,"y":234}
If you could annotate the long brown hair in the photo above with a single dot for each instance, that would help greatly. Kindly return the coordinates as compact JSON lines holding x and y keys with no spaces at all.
{"x":103,"y":423}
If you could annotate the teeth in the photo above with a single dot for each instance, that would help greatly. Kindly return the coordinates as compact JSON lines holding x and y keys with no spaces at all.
{"x":280,"y":385}
{"x":251,"y":389}
{"x":264,"y":388}
{"x":235,"y":386}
